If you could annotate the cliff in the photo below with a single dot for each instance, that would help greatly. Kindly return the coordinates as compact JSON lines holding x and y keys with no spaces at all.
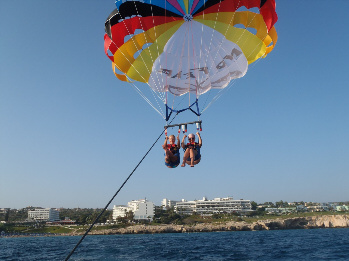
{"x":329,"y":221}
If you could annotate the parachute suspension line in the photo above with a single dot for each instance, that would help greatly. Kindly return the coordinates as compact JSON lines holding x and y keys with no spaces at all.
{"x":130,"y":33}
{"x":194,"y":62}
{"x":192,"y":106}
{"x":157,"y":98}
{"x":232,"y":82}
{"x":166,"y":93}
{"x":171,"y":109}
{"x":221,"y":91}
{"x":173,"y":101}
{"x":147,"y":100}
{"x":130,"y":63}
{"x":219,"y":94}
{"x":197,"y":84}
{"x":151,"y":57}
{"x":136,"y":88}
{"x":179,"y":70}
{"x":178,"y":77}
{"x":208,"y":96}
{"x":141,"y":94}
{"x":139,"y":73}
{"x":188,"y":34}
{"x":202,"y":49}
{"x":117,"y":192}
{"x":161,"y":96}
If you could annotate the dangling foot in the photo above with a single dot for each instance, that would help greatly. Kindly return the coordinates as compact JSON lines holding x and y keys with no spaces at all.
{"x":192,"y":163}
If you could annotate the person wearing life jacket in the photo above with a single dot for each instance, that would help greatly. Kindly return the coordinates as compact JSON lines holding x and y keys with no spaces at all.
{"x":192,"y":154}
{"x":172,"y":157}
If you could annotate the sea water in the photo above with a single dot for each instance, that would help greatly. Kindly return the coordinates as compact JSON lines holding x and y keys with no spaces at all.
{"x":315,"y":244}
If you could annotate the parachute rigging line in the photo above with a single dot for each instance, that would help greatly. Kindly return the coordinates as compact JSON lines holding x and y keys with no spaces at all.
{"x":150,"y":43}
{"x":117,"y":192}
{"x":232,"y":82}
{"x":222,"y":91}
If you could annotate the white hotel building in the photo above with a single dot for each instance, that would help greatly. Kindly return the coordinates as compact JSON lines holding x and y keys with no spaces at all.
{"x":44,"y":214}
{"x":141,"y":209}
{"x":218,"y":205}
{"x":167,"y":203}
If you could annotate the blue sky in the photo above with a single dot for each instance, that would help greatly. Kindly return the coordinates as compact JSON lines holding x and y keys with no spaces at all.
{"x":70,"y":132}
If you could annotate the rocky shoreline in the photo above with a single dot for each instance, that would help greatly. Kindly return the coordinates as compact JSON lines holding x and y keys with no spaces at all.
{"x":328,"y":221}
{"x":312,"y":222}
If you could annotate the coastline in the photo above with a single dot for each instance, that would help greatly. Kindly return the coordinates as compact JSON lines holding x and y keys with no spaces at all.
{"x":327,"y":221}
{"x":310,"y":222}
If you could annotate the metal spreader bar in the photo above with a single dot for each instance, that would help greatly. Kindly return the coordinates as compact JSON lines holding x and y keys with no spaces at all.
{"x":184,"y":126}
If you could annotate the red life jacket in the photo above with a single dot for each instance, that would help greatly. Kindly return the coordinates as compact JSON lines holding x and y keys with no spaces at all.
{"x":173,"y":148}
{"x":192,"y":145}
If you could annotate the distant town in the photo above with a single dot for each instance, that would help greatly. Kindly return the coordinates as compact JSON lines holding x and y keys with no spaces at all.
{"x":144,"y":210}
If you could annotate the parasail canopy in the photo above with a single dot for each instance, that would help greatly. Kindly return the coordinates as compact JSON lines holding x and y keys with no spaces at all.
{"x":186,"y":48}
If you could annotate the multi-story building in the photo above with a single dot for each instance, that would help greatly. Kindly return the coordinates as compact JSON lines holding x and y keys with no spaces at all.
{"x":44,"y":214}
{"x":167,"y":203}
{"x":4,"y":210}
{"x":281,"y":210}
{"x":342,"y":208}
{"x":215,"y":206}
{"x":120,"y":211}
{"x":317,"y":208}
{"x":141,"y":209}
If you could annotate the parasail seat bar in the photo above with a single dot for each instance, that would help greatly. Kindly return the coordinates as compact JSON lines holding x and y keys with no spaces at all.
{"x":180,"y":124}
{"x":184,"y":126}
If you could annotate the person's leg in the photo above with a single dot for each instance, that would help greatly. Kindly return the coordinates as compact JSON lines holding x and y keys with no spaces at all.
{"x":192,"y":160}
{"x":186,"y":156}
{"x":173,"y":157}
{"x":192,"y":157}
{"x":167,"y":156}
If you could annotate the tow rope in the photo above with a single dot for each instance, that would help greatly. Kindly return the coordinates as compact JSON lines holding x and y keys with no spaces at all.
{"x":117,"y":192}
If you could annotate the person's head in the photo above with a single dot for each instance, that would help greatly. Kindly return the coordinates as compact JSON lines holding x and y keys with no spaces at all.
{"x":172,"y":139}
{"x":191,"y":137}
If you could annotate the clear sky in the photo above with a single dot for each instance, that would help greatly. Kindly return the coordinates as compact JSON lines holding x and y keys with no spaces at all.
{"x":70,"y":132}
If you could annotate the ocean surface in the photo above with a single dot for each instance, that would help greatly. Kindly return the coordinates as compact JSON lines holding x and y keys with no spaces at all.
{"x":315,"y":244}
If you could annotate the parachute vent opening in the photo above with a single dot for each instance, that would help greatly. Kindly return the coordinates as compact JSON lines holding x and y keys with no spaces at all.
{"x":117,"y":71}
{"x":109,"y":53}
{"x":241,"y":26}
{"x":145,"y":46}
{"x":253,"y":9}
{"x":252,"y":30}
{"x":129,"y":36}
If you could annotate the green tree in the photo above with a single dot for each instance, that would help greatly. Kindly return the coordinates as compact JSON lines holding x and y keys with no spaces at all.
{"x":269,"y":204}
{"x":253,"y":205}
{"x":130,"y":215}
{"x":166,"y":216}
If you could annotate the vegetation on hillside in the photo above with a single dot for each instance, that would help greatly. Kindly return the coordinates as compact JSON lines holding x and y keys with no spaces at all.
{"x":16,"y":220}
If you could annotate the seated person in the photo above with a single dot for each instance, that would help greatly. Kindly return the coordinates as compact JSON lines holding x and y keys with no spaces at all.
{"x":192,"y":154}
{"x":172,"y":157}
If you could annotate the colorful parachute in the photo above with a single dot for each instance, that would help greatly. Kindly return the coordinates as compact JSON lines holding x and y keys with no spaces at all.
{"x":187,"y":47}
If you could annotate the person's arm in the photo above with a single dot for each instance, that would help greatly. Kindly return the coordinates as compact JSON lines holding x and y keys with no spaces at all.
{"x":200,"y":140}
{"x":183,"y":140}
{"x":164,"y":146}
{"x":178,"y":142}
